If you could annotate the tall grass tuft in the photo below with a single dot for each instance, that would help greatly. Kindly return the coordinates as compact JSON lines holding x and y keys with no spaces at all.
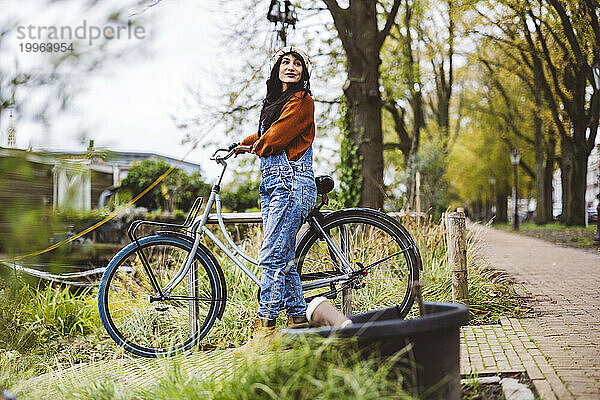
{"x":242,"y":302}
{"x":490,"y":292}
{"x":43,"y":325}
{"x":34,"y":315}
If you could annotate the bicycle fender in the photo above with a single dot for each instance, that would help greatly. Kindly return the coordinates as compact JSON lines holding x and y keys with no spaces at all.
{"x":206,"y":251}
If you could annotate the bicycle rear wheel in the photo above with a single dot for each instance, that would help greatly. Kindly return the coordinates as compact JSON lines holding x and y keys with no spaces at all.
{"x":130,"y":307}
{"x":374,"y":244}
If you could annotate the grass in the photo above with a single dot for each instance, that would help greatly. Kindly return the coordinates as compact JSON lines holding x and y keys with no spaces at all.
{"x":45,"y":326}
{"x":572,"y":236}
{"x":490,"y":292}
{"x":305,"y":372}
{"x":52,"y":327}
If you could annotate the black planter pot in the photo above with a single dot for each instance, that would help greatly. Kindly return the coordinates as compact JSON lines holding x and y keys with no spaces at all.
{"x":434,"y":354}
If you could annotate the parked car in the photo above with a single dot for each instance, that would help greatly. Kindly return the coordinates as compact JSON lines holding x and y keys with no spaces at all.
{"x":592,"y":214}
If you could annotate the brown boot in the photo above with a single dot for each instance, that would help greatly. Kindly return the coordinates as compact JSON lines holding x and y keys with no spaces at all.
{"x":297,"y":322}
{"x":262,"y":334}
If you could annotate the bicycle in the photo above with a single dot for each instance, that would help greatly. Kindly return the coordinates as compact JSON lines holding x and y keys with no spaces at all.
{"x":162,"y":293}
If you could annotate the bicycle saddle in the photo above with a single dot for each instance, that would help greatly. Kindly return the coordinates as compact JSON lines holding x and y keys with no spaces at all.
{"x":324,"y":183}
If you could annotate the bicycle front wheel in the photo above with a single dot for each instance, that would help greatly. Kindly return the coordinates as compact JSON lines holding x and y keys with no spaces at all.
{"x":135,"y":314}
{"x":373,"y":244}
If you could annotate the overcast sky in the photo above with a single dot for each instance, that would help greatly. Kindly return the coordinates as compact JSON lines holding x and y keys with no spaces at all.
{"x":127,"y":105}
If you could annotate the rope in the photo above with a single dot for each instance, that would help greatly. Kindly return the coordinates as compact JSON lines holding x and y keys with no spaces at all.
{"x":57,"y":278}
{"x":152,"y":185}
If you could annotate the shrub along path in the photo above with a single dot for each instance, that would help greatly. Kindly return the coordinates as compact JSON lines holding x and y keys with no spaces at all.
{"x":563,"y":287}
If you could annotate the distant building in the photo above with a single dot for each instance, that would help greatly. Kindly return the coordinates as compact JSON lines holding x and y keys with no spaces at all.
{"x":75,"y":180}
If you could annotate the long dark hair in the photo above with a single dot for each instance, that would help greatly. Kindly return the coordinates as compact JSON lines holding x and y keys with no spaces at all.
{"x":276,"y":99}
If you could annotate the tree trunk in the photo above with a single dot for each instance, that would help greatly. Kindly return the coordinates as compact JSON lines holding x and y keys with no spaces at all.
{"x":365,"y":110}
{"x":501,"y":209}
{"x":541,"y":217}
{"x":574,"y":161}
{"x":362,"y":40}
{"x":540,"y":212}
{"x":359,"y":34}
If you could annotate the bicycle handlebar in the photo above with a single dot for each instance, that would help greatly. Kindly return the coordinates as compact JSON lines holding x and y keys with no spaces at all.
{"x":230,"y":151}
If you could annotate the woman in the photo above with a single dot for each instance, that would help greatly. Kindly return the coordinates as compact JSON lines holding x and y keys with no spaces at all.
{"x":287,"y":191}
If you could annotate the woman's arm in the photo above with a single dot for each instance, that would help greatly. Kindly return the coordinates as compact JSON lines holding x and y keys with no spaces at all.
{"x":297,"y":115}
{"x":249,"y":140}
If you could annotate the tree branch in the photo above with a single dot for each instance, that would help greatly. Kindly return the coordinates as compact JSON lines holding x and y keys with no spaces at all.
{"x":591,"y":12}
{"x":510,"y":118}
{"x":399,"y":127}
{"x":568,"y":31}
{"x":388,"y":23}
{"x":338,"y":17}
{"x":537,"y":62}
{"x":522,"y":163}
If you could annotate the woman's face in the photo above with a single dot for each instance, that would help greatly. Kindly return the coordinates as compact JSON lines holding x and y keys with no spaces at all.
{"x":290,"y":70}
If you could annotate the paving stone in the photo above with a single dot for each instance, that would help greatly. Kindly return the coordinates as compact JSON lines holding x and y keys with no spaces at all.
{"x":533,"y":371}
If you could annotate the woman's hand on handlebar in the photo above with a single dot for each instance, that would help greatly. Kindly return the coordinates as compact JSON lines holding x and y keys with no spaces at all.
{"x":230,"y":150}
{"x":240,"y":149}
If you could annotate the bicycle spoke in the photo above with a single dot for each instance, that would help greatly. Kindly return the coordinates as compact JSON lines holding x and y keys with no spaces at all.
{"x":371,"y":244}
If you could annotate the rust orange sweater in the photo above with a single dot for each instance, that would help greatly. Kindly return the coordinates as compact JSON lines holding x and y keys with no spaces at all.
{"x":293,"y":132}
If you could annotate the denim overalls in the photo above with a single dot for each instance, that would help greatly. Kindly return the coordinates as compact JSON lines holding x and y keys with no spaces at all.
{"x":287,"y":194}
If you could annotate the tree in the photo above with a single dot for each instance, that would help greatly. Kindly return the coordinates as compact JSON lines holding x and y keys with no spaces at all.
{"x":177,"y":190}
{"x":402,"y":81}
{"x":362,"y":40}
{"x":523,"y":114}
{"x":441,"y":56}
{"x":558,"y":40}
{"x":573,"y":28}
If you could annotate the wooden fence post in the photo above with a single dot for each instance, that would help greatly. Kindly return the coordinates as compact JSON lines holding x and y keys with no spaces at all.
{"x":457,"y":255}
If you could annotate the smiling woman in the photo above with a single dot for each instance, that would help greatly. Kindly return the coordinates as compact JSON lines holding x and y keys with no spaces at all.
{"x":290,"y":70}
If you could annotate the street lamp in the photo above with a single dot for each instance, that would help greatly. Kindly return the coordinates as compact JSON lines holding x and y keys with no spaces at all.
{"x":273,"y":14}
{"x":515,"y":158}
{"x":493,"y":195}
{"x":285,"y":18}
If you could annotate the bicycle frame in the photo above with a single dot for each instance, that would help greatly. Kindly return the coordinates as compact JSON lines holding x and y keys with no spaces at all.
{"x":199,"y":228}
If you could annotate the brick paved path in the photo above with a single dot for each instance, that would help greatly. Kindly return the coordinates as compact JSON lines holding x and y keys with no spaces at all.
{"x":564,"y":286}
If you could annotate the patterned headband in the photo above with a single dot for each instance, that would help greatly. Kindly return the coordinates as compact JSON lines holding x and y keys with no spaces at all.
{"x":290,"y":49}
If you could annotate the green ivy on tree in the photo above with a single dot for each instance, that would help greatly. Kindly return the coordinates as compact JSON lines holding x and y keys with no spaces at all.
{"x":350,"y":160}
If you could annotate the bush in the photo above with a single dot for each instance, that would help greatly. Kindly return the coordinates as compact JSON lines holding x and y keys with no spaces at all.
{"x":244,"y":198}
{"x":176,"y":190}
